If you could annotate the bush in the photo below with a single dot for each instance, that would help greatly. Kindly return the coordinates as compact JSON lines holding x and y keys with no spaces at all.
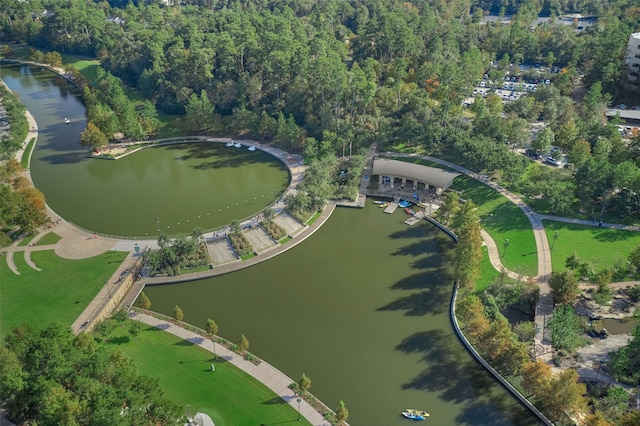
{"x":273,"y":229}
{"x":240,"y":244}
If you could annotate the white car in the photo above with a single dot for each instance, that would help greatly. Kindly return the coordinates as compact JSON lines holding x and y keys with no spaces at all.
{"x":552,"y":161}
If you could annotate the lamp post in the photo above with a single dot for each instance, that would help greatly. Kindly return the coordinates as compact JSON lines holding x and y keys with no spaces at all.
{"x":298,"y":399}
{"x":506,"y":245}
{"x":555,"y":238}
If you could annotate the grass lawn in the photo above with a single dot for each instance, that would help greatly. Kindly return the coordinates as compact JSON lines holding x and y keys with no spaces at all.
{"x":230,"y":396}
{"x":488,"y":273}
{"x":87,"y":67}
{"x":501,"y":218}
{"x":603,"y":246}
{"x":49,"y":238}
{"x":58,"y":293}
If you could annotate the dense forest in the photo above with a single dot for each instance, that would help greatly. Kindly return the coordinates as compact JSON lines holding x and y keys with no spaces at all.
{"x":315,"y":77}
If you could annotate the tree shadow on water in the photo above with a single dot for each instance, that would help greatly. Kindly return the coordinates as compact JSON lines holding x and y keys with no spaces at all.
{"x":459,"y":379}
{"x":428,"y":301}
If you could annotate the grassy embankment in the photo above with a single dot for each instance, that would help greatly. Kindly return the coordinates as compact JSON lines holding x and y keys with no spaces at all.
{"x":58,"y":293}
{"x":229,"y":395}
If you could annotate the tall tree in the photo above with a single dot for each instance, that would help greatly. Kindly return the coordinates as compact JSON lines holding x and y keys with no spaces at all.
{"x":177,"y":315}
{"x":93,"y":137}
{"x":564,"y":287}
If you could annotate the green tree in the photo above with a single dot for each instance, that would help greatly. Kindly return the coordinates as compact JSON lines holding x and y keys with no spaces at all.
{"x":144,"y":302}
{"x":566,"y":328}
{"x":342,"y":414}
{"x":243,"y":344}
{"x":543,"y":141}
{"x":304,"y":384}
{"x":93,"y":137}
{"x":564,"y":287}
{"x":51,"y":376}
{"x":199,"y":112}
{"x":211,"y":327}
{"x":177,"y":315}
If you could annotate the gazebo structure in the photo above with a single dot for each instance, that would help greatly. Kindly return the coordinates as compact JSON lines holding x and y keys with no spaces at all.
{"x":395,"y":177}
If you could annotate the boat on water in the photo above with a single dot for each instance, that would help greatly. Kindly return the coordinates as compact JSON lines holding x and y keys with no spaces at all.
{"x":404,"y":203}
{"x":229,"y":143}
{"x":413,"y":414}
{"x":378,"y":202}
{"x":237,"y":145}
{"x":384,"y":204}
{"x":418,"y":412}
{"x":66,"y":120}
{"x":407,"y":210}
{"x":252,"y":148}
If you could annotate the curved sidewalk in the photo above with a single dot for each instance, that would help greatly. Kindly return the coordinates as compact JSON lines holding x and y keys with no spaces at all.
{"x":265,"y":373}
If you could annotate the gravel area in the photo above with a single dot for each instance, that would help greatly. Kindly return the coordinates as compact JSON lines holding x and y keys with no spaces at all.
{"x":288,"y":223}
{"x":221,"y":252}
{"x":259,"y":239}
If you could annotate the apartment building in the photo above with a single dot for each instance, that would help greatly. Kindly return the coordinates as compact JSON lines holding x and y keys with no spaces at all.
{"x":633,"y":58}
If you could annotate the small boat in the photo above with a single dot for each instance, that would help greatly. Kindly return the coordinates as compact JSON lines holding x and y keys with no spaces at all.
{"x":413,"y":416}
{"x":252,"y":148}
{"x":383,"y":205}
{"x":404,"y":203}
{"x":422,"y":205}
{"x":229,"y":143}
{"x":407,"y":210}
{"x":378,"y":202}
{"x":66,"y":120}
{"x":418,"y":412}
{"x":237,"y":145}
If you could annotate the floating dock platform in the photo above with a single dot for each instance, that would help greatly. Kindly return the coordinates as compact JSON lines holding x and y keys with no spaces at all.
{"x":391,"y":208}
{"x":415,"y":218}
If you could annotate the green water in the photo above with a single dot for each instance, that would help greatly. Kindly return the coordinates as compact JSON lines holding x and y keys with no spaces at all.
{"x":361,"y":307}
{"x":168,"y":189}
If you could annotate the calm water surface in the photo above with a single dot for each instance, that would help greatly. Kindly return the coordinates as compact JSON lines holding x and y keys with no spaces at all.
{"x":361,"y":307}
{"x":172,"y":188}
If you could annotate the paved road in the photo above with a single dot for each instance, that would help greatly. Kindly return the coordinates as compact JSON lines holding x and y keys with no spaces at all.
{"x":270,"y":376}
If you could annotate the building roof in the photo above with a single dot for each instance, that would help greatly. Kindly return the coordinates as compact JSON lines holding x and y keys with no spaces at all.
{"x":437,"y":177}
{"x":628,"y":114}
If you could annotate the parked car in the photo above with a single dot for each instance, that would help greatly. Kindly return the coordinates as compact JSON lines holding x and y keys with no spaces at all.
{"x":552,"y":161}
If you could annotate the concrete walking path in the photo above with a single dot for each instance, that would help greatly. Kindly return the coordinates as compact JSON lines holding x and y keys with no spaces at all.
{"x":265,"y":373}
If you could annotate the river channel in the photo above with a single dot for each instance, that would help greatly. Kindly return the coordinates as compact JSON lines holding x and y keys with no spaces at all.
{"x":361,"y":306}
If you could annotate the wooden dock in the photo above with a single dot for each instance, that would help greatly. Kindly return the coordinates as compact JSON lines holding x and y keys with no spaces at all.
{"x":391,"y":208}
{"x":415,"y":218}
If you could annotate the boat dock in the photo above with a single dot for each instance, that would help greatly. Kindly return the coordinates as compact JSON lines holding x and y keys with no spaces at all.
{"x":391,"y":207}
{"x":415,"y":218}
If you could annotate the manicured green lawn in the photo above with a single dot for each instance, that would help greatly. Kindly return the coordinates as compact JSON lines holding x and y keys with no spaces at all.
{"x":49,"y":238}
{"x":501,"y":218}
{"x":488,"y":273}
{"x":58,"y":293}
{"x":228,"y":395}
{"x":87,"y":67}
{"x":603,"y":246}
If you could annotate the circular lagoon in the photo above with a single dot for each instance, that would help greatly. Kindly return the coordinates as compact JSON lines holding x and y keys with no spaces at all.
{"x":170,"y":189}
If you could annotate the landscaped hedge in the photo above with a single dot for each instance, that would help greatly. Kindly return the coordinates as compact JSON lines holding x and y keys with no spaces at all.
{"x":273,"y":229}
{"x":240,"y":244}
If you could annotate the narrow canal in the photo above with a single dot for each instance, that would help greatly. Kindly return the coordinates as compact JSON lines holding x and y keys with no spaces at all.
{"x":361,"y":307}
